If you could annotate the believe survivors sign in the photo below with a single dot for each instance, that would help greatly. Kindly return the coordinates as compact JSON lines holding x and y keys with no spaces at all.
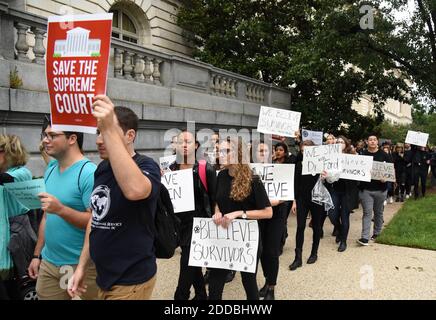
{"x":234,"y":248}
{"x":76,"y":68}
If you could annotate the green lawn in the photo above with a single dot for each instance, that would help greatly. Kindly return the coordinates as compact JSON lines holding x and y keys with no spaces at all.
{"x":414,"y":225}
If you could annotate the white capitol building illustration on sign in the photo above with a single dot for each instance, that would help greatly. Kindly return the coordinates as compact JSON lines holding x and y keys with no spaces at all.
{"x":77,"y":44}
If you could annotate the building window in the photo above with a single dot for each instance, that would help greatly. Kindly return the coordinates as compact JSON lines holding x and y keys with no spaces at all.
{"x":123,"y":27}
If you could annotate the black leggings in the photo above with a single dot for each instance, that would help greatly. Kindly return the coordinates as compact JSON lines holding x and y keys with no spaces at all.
{"x":272,"y":232}
{"x":317,"y":212}
{"x":217,"y":280}
{"x":189,"y":276}
{"x":421,"y":173}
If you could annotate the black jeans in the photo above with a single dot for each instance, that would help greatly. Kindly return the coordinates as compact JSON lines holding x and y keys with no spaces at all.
{"x":340,"y":215}
{"x":409,"y":179}
{"x":217,"y":280}
{"x":272,"y":232}
{"x":189,"y":276}
{"x":317,"y":212}
{"x":421,"y":173}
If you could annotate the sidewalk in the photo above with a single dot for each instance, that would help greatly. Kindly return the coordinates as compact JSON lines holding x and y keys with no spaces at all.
{"x":398,"y":272}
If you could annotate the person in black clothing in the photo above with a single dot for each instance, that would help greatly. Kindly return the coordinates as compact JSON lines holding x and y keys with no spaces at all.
{"x":408,"y":156}
{"x":301,"y":206}
{"x":421,"y":165}
{"x":120,"y":235}
{"x":386,"y":147}
{"x":240,"y":194}
{"x":343,"y":195}
{"x":281,"y":154}
{"x":373,"y":195}
{"x":400,"y":172}
{"x":204,"y":202}
{"x":272,"y":232}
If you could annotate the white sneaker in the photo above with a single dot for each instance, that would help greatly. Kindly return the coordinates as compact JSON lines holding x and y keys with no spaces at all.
{"x":407,"y":196}
{"x":391,"y":200}
{"x":385,"y":203}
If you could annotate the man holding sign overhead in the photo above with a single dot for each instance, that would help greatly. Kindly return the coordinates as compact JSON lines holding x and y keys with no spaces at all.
{"x":372,"y":195}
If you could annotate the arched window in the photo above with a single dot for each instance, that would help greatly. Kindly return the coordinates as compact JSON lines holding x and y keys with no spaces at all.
{"x":123,"y":27}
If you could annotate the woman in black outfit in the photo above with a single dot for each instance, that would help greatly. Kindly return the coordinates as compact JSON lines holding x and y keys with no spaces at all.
{"x":301,"y":206}
{"x":400,"y":172}
{"x":204,"y":202}
{"x":343,"y":194}
{"x":240,"y":194}
{"x":272,"y":232}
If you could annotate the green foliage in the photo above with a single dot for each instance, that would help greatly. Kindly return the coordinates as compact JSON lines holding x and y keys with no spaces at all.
{"x":14,"y":78}
{"x":413,"y":226}
{"x":318,"y":49}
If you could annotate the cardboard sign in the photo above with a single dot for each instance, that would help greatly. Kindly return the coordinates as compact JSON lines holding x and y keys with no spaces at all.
{"x":417,"y":138}
{"x":234,"y":248}
{"x":166,"y":162}
{"x":316,"y":159}
{"x":180,"y":185}
{"x":278,"y":179}
{"x":315,"y":136}
{"x":76,"y":67}
{"x":278,"y":121}
{"x":26,"y":192}
{"x":383,"y":171}
{"x":355,"y":167}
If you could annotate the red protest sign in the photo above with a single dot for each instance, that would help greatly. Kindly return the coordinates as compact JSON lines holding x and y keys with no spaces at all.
{"x":76,"y":68}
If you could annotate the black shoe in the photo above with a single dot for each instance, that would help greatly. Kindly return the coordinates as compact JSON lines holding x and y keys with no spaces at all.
{"x":269,"y":294}
{"x":200,"y":297}
{"x":230,"y":276}
{"x":397,"y":199}
{"x":374,"y":236}
{"x":338,"y":239}
{"x":402,"y":199}
{"x":298,"y":262}
{"x":262,"y":292}
{"x":363,"y":242}
{"x":206,"y":277}
{"x":342,"y":246}
{"x":312,"y":259}
{"x":335,"y":232}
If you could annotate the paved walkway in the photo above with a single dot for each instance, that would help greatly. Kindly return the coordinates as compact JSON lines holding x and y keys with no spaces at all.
{"x":398,"y":272}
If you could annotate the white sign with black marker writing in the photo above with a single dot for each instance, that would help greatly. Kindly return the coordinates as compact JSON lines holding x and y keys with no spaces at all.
{"x":234,"y":248}
{"x":278,"y":121}
{"x":315,"y":136}
{"x":383,"y":171}
{"x":166,"y":162}
{"x":316,"y":159}
{"x":278,"y":179}
{"x":180,"y":185}
{"x":355,"y":167}
{"x":417,"y":138}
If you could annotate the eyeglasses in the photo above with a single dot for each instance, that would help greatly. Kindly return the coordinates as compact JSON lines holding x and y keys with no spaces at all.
{"x":50,"y":136}
{"x":224,"y":152}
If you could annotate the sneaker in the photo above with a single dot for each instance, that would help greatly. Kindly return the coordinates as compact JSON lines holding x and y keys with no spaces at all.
{"x":374,"y":236}
{"x":385,"y":203}
{"x":363,"y":242}
{"x":407,"y":196}
{"x":391,"y":200}
{"x":397,"y":199}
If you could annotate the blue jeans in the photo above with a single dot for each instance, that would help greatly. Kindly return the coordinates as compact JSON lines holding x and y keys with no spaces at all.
{"x":340,"y":215}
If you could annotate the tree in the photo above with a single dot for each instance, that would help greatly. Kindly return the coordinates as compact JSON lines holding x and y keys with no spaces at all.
{"x":317,"y":48}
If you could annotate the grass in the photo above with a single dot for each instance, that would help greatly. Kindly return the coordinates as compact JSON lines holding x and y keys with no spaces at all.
{"x":414,"y":225}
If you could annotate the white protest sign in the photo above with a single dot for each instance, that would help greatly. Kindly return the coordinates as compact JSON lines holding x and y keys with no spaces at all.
{"x":417,"y":138}
{"x":165,"y":162}
{"x":355,"y":167}
{"x":278,"y":121}
{"x":278,"y":179}
{"x":383,"y":171}
{"x":180,"y":185}
{"x":315,"y":136}
{"x":234,"y":248}
{"x":316,"y":159}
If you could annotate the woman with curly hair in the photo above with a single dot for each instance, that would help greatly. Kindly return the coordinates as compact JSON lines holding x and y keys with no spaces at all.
{"x":239,"y":194}
{"x":13,"y":157}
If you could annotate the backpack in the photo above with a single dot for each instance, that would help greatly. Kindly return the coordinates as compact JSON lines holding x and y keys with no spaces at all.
{"x":78,"y":177}
{"x":167,"y":226}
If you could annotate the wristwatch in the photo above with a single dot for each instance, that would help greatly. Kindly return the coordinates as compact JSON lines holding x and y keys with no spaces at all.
{"x":244,"y":215}
{"x":37,"y":257}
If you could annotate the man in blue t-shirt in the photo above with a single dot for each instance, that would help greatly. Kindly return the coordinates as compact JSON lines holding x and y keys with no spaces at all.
{"x":69,"y":180}
{"x":120,"y":238}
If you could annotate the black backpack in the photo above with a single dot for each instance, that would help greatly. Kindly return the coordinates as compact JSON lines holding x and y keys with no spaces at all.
{"x":167,"y":226}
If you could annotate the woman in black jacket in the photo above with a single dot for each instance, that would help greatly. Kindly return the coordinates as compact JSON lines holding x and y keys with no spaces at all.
{"x":301,"y":206}
{"x":343,"y":193}
{"x":204,"y":196}
{"x":400,"y":172}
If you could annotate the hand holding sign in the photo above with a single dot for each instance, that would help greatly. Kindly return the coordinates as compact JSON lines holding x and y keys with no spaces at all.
{"x":103,"y":111}
{"x":50,"y":203}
